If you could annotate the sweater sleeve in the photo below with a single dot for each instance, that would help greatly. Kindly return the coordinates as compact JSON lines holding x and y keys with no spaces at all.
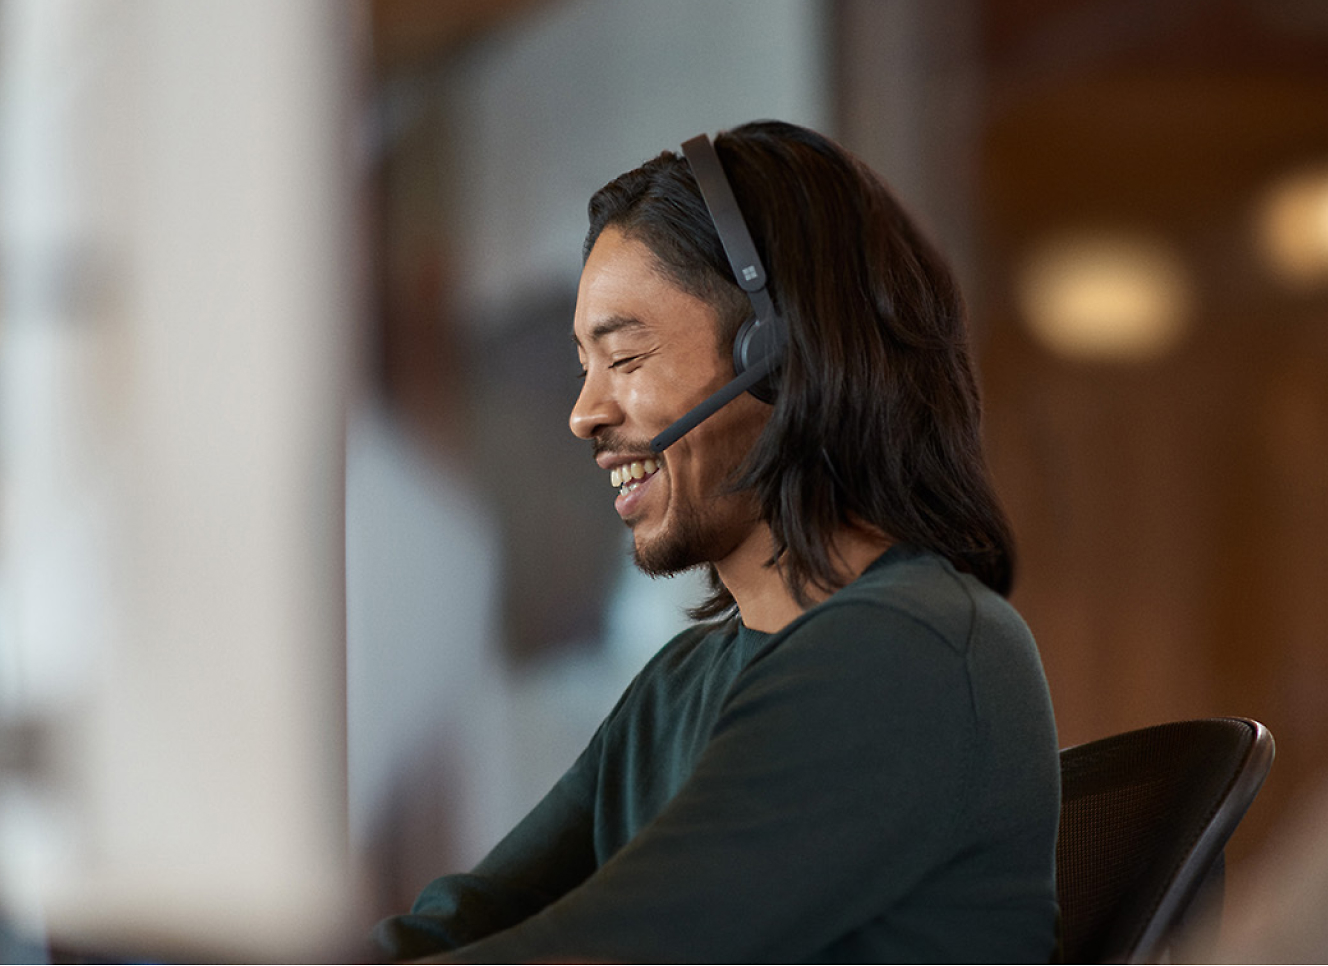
{"x":828,"y":792}
{"x":547,"y":854}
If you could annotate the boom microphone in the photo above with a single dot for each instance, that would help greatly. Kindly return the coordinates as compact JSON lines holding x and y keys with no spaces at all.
{"x":712,"y":404}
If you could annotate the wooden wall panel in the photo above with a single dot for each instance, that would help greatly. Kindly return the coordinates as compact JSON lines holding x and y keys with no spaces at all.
{"x":1172,"y":514}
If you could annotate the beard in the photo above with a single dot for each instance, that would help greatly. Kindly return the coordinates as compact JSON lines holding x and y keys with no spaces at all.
{"x":694,"y":537}
{"x":679,"y":550}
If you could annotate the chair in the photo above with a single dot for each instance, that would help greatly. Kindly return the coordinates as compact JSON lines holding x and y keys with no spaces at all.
{"x":1145,"y":816}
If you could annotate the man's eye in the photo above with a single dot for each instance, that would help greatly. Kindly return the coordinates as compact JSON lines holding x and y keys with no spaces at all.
{"x":622,"y":362}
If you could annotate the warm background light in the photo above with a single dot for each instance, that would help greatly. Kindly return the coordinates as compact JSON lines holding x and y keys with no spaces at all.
{"x":1293,"y":227}
{"x":1104,"y":296}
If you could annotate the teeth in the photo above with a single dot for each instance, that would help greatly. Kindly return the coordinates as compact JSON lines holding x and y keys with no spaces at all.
{"x":629,"y":473}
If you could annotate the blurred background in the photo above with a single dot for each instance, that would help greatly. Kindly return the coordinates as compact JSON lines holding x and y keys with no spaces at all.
{"x":245,"y":250}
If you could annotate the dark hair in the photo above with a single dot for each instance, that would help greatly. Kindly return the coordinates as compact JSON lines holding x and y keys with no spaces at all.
{"x":877,"y":421}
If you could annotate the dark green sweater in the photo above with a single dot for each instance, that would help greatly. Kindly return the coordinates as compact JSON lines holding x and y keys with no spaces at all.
{"x":877,"y":782}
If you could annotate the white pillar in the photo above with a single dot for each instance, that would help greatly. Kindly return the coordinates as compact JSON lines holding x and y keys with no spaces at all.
{"x":174,"y":229}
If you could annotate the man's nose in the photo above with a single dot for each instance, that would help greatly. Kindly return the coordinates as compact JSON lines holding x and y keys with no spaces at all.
{"x":595,"y":408}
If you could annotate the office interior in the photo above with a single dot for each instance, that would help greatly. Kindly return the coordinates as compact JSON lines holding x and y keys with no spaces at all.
{"x":287,"y":496}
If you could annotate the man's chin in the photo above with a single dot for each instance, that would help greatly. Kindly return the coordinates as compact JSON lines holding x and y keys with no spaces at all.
{"x":682,"y":542}
{"x":663,"y":557}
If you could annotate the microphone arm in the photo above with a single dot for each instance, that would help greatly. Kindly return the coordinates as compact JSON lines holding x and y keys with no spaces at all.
{"x":712,"y":404}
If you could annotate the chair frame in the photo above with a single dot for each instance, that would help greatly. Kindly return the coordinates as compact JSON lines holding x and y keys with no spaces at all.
{"x":1203,"y":861}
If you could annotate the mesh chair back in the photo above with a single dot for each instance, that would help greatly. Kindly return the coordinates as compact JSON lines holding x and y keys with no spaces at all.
{"x":1144,"y":818}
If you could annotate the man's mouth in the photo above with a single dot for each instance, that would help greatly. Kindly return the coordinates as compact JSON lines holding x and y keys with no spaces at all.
{"x":628,"y":476}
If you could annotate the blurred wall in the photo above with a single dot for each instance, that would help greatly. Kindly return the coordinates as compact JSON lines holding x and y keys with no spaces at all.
{"x":1163,"y":449}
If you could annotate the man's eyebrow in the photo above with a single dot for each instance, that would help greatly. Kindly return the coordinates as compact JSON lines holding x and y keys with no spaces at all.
{"x":605,"y":327}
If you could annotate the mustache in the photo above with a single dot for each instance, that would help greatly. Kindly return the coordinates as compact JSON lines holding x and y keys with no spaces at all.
{"x":611,"y":441}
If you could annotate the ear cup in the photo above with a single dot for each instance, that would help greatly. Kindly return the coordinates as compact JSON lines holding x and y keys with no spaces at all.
{"x":755,"y":342}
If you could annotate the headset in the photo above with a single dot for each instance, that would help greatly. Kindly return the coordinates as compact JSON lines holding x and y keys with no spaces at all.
{"x":758,"y":349}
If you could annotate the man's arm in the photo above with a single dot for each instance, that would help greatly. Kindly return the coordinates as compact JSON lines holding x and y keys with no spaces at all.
{"x":546,"y":855}
{"x":550,"y":852}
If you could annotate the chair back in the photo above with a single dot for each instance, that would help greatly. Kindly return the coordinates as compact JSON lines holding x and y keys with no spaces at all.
{"x":1145,"y":816}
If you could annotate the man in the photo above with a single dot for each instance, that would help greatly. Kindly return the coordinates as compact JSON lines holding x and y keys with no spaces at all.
{"x":854,"y":759}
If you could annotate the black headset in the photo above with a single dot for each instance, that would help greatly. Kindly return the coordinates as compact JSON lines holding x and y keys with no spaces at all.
{"x":762,"y":340}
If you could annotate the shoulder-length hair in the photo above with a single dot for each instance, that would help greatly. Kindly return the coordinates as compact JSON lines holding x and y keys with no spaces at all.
{"x":877,"y":419}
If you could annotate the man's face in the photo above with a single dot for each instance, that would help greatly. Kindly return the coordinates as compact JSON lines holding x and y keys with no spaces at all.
{"x":650,"y":352}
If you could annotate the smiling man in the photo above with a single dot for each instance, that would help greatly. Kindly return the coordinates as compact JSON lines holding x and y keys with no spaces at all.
{"x":851,"y":756}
